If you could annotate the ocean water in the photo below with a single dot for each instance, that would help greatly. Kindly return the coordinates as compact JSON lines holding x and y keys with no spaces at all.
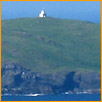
{"x":60,"y":97}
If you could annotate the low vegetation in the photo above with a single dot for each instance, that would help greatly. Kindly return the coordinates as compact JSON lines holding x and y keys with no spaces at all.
{"x":52,"y":45}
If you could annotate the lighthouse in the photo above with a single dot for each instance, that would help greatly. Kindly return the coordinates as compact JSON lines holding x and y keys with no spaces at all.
{"x":42,"y":14}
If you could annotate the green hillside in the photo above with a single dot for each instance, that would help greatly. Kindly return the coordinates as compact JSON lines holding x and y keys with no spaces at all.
{"x":51,"y":44}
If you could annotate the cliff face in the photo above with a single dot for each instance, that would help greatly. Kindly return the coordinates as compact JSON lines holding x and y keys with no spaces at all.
{"x":19,"y":80}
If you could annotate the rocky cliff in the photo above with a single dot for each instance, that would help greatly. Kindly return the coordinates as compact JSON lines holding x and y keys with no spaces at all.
{"x":19,"y":80}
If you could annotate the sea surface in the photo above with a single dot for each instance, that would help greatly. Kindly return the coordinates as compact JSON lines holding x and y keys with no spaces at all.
{"x":59,"y":97}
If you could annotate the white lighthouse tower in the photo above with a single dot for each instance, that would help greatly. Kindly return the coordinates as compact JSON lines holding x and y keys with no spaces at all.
{"x":42,"y":14}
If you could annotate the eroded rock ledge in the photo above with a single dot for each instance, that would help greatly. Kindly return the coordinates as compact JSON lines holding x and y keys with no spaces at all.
{"x":19,"y":80}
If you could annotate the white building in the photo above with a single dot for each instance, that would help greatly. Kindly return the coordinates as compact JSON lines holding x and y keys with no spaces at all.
{"x":42,"y":14}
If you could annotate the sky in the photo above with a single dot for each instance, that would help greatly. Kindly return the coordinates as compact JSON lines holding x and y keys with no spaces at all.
{"x":79,"y":10}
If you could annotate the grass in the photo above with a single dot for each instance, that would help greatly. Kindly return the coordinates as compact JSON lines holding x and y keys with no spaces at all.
{"x":52,"y":45}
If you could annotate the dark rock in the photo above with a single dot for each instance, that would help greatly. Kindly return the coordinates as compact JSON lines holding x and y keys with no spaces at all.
{"x":88,"y":80}
{"x":19,"y":80}
{"x":46,"y":40}
{"x":51,"y":42}
{"x":41,"y":39}
{"x":21,"y":32}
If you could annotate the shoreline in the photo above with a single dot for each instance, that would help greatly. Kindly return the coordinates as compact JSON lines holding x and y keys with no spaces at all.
{"x":66,"y":93}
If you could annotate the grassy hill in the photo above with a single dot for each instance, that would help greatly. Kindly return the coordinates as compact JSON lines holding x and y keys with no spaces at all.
{"x":52,"y":45}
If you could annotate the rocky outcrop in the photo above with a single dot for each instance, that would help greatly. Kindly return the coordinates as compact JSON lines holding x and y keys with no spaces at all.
{"x":19,"y":80}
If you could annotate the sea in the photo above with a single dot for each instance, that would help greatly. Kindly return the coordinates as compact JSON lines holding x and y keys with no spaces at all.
{"x":58,"y":97}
